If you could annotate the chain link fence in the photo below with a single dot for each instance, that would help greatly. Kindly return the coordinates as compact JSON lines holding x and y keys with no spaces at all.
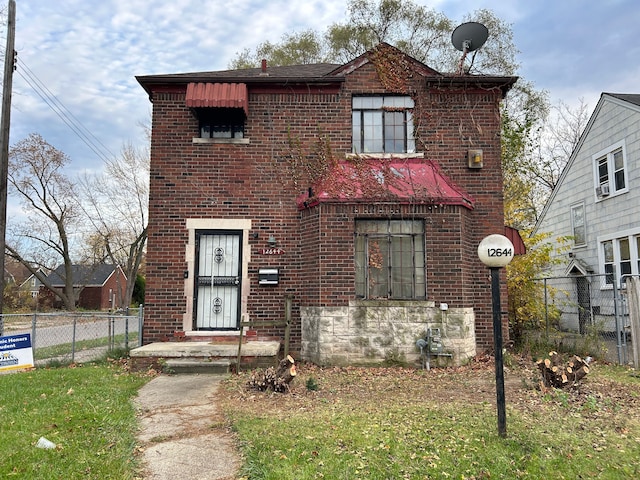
{"x":77,"y":337}
{"x":589,"y":313}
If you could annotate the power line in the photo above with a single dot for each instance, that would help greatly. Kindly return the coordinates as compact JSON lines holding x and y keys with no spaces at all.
{"x":87,"y":137}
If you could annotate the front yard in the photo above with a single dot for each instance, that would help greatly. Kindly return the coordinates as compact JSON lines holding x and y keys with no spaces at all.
{"x":395,"y":423}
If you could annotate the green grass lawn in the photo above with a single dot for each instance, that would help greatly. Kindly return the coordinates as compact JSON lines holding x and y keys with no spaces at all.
{"x":341,"y":423}
{"x":86,"y":410}
{"x":394,"y":423}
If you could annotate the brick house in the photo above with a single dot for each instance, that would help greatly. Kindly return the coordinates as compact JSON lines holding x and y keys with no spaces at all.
{"x":360,"y":191}
{"x":98,"y":287}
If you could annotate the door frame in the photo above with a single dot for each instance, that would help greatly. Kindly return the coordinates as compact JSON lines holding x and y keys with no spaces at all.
{"x":242,"y":225}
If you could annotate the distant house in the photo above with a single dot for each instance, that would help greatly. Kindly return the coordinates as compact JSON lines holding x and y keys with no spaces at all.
{"x":360,"y":191}
{"x":597,"y":199}
{"x":18,"y":274}
{"x":32,"y":284}
{"x":98,"y":287}
{"x":14,"y":272}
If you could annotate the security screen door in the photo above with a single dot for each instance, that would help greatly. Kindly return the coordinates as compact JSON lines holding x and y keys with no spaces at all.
{"x":217,"y":280}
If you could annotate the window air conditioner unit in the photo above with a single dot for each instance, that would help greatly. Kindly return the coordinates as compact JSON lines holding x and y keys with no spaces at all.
{"x":603,"y":190}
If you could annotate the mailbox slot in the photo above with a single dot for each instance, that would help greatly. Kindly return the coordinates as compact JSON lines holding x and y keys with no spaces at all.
{"x":268,"y":276}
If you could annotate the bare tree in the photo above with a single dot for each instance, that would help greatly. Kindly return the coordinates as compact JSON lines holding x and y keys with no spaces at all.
{"x":43,"y":238}
{"x":115,"y":202}
{"x":560,"y":135}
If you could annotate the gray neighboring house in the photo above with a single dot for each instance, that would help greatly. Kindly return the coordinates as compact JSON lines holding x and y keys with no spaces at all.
{"x":18,"y":274}
{"x":32,"y":284}
{"x":597,"y":199}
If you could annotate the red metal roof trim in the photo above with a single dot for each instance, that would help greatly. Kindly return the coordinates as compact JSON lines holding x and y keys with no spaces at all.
{"x":220,"y":95}
{"x":413,"y":180}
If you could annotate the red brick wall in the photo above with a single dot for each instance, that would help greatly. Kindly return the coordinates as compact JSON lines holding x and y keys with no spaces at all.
{"x":252,"y":181}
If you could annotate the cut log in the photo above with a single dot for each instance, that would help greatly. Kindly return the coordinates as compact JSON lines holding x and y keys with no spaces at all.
{"x":277,"y":380}
{"x":284,"y":365}
{"x":555,"y":375}
{"x":580,"y":373}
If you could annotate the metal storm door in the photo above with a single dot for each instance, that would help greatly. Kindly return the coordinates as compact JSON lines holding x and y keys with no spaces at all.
{"x":217,"y":280}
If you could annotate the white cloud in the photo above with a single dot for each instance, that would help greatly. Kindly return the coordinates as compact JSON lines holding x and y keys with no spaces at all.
{"x":88,"y":52}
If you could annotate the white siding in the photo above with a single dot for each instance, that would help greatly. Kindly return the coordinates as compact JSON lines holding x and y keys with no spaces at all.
{"x":613,"y":121}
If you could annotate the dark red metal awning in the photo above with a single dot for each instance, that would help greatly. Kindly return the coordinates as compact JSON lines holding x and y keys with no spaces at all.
{"x":218,"y":95}
{"x":406,"y":181}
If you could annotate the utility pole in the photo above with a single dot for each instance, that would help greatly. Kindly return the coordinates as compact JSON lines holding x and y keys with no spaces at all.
{"x":5,"y":122}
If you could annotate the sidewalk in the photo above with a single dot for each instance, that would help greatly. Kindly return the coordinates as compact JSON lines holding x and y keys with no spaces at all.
{"x":182,"y":434}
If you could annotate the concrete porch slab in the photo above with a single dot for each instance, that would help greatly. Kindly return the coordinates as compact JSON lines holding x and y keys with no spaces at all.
{"x":206,"y":349}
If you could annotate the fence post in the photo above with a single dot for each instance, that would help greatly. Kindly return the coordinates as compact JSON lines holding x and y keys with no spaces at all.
{"x":288,"y":301}
{"x":33,"y":332}
{"x":112,"y":333}
{"x":73,"y":340}
{"x":140,"y":323}
{"x":616,"y":313}
{"x":126,"y":329}
{"x":633,"y":296}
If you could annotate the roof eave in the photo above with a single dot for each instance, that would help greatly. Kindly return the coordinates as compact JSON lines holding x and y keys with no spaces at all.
{"x":149,"y":81}
{"x":505,"y":83}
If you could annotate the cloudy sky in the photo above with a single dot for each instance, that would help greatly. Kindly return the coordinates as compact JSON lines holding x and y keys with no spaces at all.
{"x":82,"y":55}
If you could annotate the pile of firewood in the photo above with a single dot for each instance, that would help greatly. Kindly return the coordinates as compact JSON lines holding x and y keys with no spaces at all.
{"x":275,"y":379}
{"x":557,"y":375}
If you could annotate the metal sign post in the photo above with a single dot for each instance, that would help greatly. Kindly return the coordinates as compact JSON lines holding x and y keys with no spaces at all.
{"x":496,"y":251}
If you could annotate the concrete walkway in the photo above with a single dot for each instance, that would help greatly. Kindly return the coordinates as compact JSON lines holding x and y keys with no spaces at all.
{"x":182,"y":434}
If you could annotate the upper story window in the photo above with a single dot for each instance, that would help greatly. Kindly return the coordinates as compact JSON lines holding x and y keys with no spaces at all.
{"x":578,"y":225}
{"x":390,"y":259}
{"x":610,"y":171}
{"x":221,"y":122}
{"x":383,"y":124}
{"x":221,"y":109}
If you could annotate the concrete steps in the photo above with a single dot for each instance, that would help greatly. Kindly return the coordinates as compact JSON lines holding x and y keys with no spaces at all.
{"x":197,"y":365}
{"x":203,"y":357}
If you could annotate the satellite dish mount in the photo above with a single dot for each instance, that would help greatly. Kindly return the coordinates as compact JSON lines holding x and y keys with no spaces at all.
{"x":468,"y":37}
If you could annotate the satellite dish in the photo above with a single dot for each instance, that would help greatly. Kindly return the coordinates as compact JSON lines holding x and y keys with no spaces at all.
{"x":469,"y":36}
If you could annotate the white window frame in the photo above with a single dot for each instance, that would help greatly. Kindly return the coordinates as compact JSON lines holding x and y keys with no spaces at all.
{"x":632,"y":236}
{"x":607,"y":189}
{"x":574,"y":226}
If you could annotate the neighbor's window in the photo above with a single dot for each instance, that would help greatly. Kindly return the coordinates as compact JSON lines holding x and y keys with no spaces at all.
{"x":620,"y":256}
{"x":221,"y":122}
{"x":578,"y":225}
{"x":383,"y":124}
{"x":610,"y":171}
{"x":637,"y":242}
{"x":390,"y":259}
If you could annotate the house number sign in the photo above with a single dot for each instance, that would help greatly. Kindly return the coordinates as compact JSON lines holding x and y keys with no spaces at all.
{"x":271,"y":251}
{"x":495,"y":251}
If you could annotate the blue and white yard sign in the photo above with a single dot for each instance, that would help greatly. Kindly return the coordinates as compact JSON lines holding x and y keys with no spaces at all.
{"x":16,"y":352}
